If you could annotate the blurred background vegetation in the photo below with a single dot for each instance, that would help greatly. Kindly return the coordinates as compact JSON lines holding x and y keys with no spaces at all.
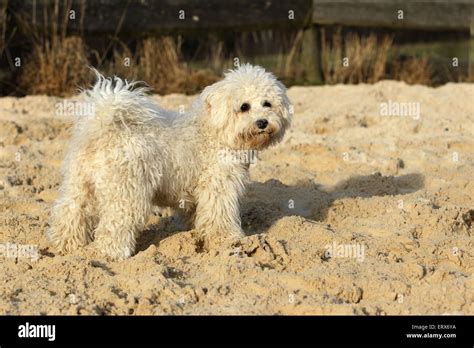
{"x":46,"y":46}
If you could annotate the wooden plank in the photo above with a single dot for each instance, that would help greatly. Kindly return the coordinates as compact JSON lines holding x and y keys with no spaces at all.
{"x":3,"y":24}
{"x":471,"y":53}
{"x":310,"y":55}
{"x":138,"y":17}
{"x":429,"y":15}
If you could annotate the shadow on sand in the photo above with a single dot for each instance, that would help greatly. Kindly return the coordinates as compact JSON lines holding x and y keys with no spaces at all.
{"x":266,"y":203}
{"x":311,"y":201}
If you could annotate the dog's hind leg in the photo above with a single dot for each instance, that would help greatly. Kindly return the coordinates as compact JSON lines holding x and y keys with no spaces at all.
{"x":124,"y":200}
{"x":71,"y":223}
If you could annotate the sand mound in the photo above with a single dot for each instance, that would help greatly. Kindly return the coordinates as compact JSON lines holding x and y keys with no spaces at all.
{"x":355,"y":213}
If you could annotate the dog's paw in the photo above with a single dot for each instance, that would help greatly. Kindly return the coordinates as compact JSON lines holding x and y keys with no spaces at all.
{"x":216,"y":239}
{"x":109,"y":248}
{"x":64,"y":245}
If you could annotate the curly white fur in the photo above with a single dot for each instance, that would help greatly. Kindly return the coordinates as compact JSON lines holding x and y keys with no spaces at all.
{"x":132,"y":154}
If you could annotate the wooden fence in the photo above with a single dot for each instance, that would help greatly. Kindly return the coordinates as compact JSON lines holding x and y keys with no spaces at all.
{"x":135,"y":18}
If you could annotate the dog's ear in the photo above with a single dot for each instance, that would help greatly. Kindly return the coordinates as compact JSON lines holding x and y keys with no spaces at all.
{"x":285,"y":109}
{"x":206,"y":97}
{"x":217,"y":104}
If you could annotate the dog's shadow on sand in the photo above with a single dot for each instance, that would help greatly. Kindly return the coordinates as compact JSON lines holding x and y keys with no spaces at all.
{"x":312,"y":201}
{"x":266,"y":203}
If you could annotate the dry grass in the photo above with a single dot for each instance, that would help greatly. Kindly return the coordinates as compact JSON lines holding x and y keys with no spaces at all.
{"x":368,"y":61}
{"x":366,"y":57}
{"x":146,"y":64}
{"x":56,"y":69}
{"x":58,"y":64}
{"x":279,"y":51}
{"x":164,"y":72}
{"x":412,"y":71}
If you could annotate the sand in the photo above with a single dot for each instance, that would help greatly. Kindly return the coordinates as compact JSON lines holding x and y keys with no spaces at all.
{"x":354,"y":213}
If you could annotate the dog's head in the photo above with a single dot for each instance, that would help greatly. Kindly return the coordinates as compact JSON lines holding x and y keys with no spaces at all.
{"x":248,"y":109}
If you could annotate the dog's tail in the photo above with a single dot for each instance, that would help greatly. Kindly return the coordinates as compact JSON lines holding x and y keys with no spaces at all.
{"x":119,"y":102}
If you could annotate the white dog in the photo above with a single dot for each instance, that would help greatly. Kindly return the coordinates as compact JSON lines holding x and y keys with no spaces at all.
{"x":132,"y":154}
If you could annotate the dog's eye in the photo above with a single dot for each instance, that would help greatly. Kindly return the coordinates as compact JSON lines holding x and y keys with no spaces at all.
{"x":245,"y":107}
{"x":267,"y":104}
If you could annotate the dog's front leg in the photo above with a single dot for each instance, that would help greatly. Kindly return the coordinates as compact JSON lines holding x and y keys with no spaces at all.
{"x":218,"y":208}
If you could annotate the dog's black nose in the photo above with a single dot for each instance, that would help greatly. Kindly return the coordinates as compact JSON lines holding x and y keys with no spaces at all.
{"x":262,"y":124}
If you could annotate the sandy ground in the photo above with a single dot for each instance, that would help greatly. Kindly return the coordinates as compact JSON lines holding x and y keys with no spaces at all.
{"x":391,"y":195}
